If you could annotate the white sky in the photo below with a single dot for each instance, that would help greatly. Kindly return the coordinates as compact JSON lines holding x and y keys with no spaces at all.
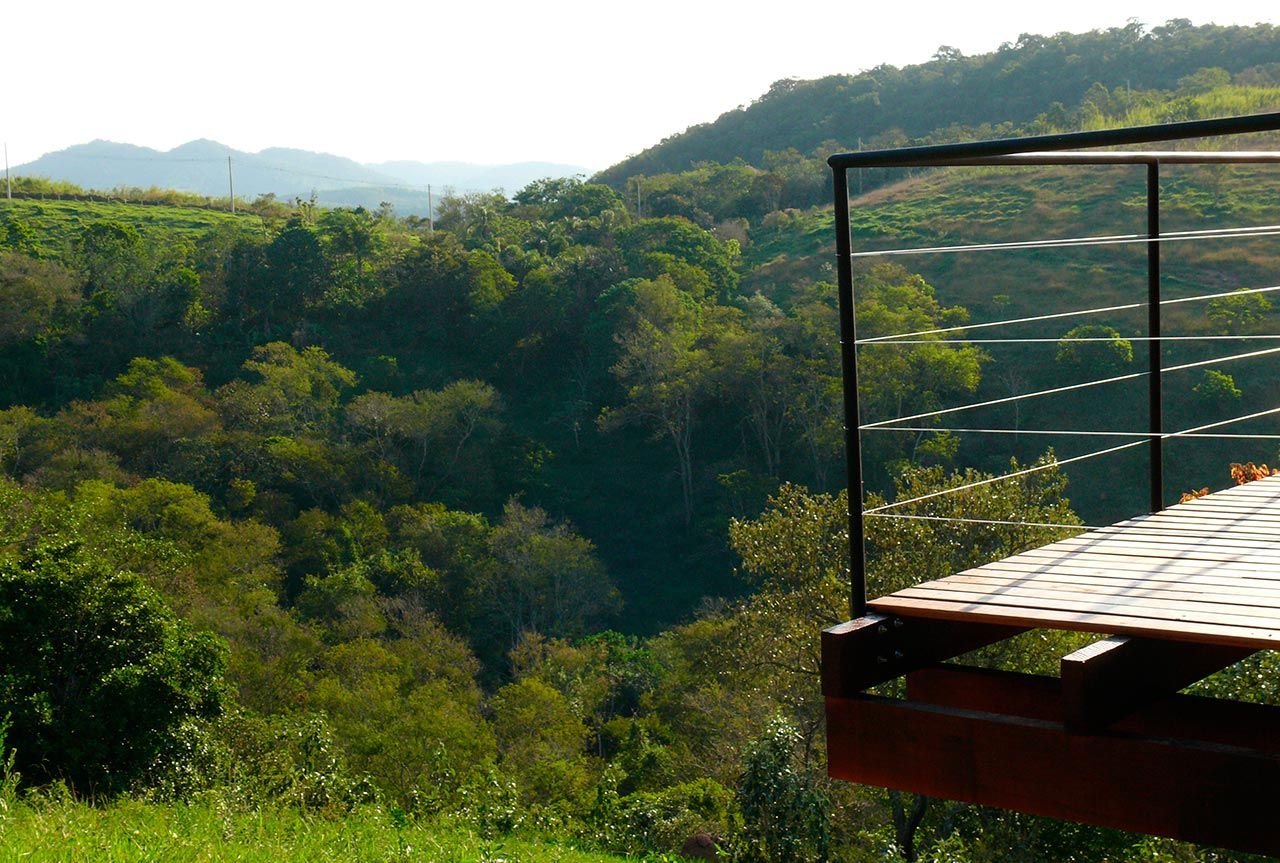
{"x":485,"y":81}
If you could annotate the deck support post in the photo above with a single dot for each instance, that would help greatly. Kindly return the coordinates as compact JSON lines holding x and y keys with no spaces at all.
{"x":849,"y":378}
{"x":1109,"y":679}
{"x":1155,"y":398}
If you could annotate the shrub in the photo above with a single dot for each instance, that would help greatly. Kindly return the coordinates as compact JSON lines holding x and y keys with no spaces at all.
{"x":784,"y":813}
{"x":649,"y":822}
{"x":97,"y":673}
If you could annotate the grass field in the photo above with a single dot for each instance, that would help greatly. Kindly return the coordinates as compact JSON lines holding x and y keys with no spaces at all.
{"x":57,"y":223}
{"x":133,"y":832}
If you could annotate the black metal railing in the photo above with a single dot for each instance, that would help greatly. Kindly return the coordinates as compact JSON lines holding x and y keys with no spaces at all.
{"x":1058,"y":150}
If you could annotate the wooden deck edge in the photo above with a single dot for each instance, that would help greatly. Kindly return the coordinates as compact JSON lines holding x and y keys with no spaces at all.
{"x":876,"y":648}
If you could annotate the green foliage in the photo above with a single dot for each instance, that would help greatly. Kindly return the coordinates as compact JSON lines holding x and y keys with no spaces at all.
{"x":650,"y":246}
{"x":658,"y":822}
{"x":38,"y":299}
{"x":1217,"y":389}
{"x":297,"y":267}
{"x":296,"y":391}
{"x":901,"y":380}
{"x":785,"y":815}
{"x":1094,"y":349}
{"x":354,"y":237}
{"x":1238,"y":313}
{"x":540,"y":741}
{"x":98,"y":673}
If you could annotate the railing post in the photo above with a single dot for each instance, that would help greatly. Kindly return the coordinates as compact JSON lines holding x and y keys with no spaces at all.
{"x":849,"y":377}
{"x":1155,"y":406}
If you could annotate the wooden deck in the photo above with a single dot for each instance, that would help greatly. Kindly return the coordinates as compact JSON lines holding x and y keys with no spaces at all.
{"x":1205,"y":571}
{"x":1112,"y":740}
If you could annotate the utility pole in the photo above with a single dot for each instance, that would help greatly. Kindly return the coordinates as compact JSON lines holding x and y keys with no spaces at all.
{"x":8,"y":184}
{"x":431,"y":211}
{"x":638,"y":216}
{"x":231,"y":187}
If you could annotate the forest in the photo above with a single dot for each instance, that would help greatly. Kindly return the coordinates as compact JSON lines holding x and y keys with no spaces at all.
{"x":508,"y":534}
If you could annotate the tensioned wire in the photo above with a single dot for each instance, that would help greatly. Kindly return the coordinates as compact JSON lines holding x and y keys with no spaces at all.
{"x":1217,"y":338}
{"x":1060,"y":462}
{"x":1108,"y":531}
{"x":1056,"y":315}
{"x":1068,"y":388}
{"x":1067,"y":242}
{"x":1073,"y":432}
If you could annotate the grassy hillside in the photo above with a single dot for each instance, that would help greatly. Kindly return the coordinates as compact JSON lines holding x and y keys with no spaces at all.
{"x":57,"y":222}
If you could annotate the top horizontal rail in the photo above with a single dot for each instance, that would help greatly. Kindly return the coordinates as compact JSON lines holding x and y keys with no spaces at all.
{"x":1127,"y":157}
{"x":966,"y":153}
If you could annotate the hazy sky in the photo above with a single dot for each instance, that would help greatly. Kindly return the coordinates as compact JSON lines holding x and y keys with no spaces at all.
{"x":581,"y":82}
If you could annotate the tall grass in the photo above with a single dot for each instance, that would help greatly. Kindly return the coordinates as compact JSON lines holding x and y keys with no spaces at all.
{"x":56,"y":829}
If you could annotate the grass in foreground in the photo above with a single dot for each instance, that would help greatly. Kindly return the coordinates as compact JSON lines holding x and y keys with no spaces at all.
{"x":69,"y":832}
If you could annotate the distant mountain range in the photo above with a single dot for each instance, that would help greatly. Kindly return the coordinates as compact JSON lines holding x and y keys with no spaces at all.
{"x":201,"y":167}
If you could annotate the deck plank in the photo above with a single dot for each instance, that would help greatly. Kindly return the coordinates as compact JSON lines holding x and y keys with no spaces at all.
{"x":1207,"y":570}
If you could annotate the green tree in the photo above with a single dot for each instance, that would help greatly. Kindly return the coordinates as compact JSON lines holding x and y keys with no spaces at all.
{"x":543,"y":577}
{"x":295,"y":390}
{"x":1238,"y":312}
{"x":1094,"y":349}
{"x":114,"y":257}
{"x":436,"y":437}
{"x":540,"y":740}
{"x":895,"y":380}
{"x":147,"y":412}
{"x":1217,"y":389}
{"x":664,"y":367}
{"x":296,"y":269}
{"x":649,"y":244}
{"x":406,"y":708}
{"x":353,"y":236}
{"x":35,"y":298}
{"x":96,"y":672}
{"x":784,"y":811}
